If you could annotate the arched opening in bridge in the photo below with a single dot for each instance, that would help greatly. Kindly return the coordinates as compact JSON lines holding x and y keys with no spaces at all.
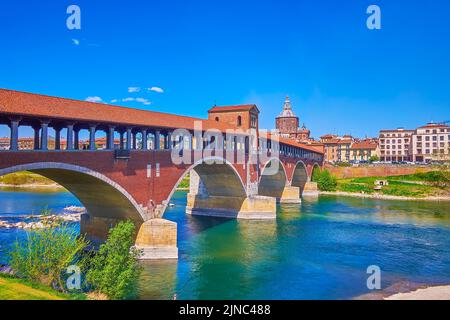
{"x":214,"y":189}
{"x":300,"y":176}
{"x":105,"y":201}
{"x":273,"y":179}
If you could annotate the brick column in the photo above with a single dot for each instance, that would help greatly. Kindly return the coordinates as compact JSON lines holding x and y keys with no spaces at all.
{"x":110,"y":138}
{"x":36,"y":137}
{"x":57,"y":138}
{"x":121,"y":139}
{"x":128,"y":145}
{"x":76,"y":139}
{"x":14,"y":141}
{"x":69,"y":145}
{"x":157,"y":140}
{"x":44,"y":136}
{"x":144,"y":139}
{"x":92,"y":129}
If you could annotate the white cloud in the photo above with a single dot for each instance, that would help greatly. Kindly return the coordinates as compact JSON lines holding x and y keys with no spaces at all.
{"x":94,"y":99}
{"x":143,"y":101}
{"x":128,"y":99}
{"x":76,"y":42}
{"x":133,"y":89}
{"x":113,"y":100}
{"x":156,"y":89}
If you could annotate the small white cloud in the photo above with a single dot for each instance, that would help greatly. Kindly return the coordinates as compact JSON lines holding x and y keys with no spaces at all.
{"x":143,"y":101}
{"x":113,"y":100}
{"x":156,"y":89}
{"x":128,"y":99}
{"x":76,"y":42}
{"x":133,"y":89}
{"x":94,"y":99}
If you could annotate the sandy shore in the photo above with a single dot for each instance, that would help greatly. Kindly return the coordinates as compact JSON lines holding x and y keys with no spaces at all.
{"x":385,"y":197}
{"x":32,"y":186}
{"x":430,"y":293}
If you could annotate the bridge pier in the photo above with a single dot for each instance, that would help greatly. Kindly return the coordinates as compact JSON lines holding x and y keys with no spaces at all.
{"x":311,"y":189}
{"x":157,"y":238}
{"x":201,"y":202}
{"x":290,"y":194}
{"x":251,"y":208}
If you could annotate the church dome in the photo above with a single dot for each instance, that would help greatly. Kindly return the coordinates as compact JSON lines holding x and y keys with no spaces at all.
{"x":287,"y":110}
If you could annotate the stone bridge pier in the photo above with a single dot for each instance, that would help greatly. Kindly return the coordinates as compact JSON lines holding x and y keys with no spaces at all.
{"x":224,"y":196}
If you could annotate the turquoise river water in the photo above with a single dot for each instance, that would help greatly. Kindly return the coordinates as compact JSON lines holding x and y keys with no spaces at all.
{"x":319,"y":249}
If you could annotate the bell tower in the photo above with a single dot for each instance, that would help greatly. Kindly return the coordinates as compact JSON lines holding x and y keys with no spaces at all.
{"x":287,"y":121}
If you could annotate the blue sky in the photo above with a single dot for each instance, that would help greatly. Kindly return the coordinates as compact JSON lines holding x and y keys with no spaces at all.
{"x":341,"y":77}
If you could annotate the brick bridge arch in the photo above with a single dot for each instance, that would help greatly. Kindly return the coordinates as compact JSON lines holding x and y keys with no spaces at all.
{"x":212,"y":176}
{"x":273,"y":179}
{"x":102,"y":197}
{"x":300,"y":175}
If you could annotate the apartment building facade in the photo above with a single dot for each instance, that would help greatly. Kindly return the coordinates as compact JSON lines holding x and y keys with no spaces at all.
{"x":364,"y":150}
{"x":396,"y":145}
{"x":431,"y":143}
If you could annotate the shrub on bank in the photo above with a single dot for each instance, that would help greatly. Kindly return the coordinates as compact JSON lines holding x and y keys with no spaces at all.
{"x":114,"y":269}
{"x":325,"y":181}
{"x":46,"y":254}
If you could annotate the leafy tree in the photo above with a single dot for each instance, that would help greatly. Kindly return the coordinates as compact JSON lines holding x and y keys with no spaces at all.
{"x":114,"y":270}
{"x":316,"y":174}
{"x":374,"y":158}
{"x":326,"y":181}
{"x":46,"y":254}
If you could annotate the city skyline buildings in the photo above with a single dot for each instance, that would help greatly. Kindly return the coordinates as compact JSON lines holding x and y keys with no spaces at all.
{"x":340,"y":76}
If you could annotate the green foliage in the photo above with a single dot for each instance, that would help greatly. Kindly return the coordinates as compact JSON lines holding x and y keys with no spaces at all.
{"x":19,"y":289}
{"x":316,"y":174}
{"x":326,"y":182}
{"x":25,"y":177}
{"x":433,"y":183}
{"x":355,"y":188}
{"x":343,"y":164}
{"x":46,"y":254}
{"x":184,"y":184}
{"x":374,"y":158}
{"x":114,"y":270}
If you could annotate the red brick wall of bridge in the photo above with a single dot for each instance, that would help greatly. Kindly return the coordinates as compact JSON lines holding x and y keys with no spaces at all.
{"x":375,"y":171}
{"x":130,"y":174}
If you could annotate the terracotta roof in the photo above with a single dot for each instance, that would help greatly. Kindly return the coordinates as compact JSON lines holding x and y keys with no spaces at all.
{"x":328,"y":136}
{"x":37,"y":105}
{"x":365,"y":144}
{"x":291,"y":142}
{"x":344,"y":141}
{"x":434,"y":125}
{"x":244,"y":107}
{"x":331,"y":141}
{"x":397,"y":130}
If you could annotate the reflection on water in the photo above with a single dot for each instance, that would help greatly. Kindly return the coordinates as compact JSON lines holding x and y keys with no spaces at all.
{"x":319,"y":249}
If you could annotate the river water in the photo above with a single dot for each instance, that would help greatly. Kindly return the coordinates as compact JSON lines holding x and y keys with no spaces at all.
{"x":317,"y":250}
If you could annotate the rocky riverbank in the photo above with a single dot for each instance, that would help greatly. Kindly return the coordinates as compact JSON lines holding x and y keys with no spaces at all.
{"x":36,"y":222}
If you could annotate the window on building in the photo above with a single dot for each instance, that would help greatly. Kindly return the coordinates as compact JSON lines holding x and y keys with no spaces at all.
{"x":239,"y":121}
{"x":253,"y":121}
